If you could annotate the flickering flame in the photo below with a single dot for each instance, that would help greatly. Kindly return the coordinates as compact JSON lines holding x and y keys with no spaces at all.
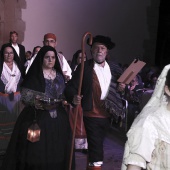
{"x":33,"y":134}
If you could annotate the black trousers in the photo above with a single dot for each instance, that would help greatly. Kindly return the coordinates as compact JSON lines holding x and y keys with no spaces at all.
{"x":96,"y":129}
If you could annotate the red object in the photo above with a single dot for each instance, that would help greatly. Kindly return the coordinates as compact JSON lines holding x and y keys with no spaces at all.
{"x":79,"y":93}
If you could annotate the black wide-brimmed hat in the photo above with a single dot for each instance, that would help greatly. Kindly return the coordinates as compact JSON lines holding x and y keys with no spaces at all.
{"x":103,"y":40}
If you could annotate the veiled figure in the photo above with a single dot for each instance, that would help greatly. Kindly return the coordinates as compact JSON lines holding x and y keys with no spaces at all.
{"x":80,"y":135}
{"x":44,"y":82}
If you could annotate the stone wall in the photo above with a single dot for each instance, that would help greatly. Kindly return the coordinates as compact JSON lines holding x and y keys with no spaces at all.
{"x":131,"y":24}
{"x":11,"y":19}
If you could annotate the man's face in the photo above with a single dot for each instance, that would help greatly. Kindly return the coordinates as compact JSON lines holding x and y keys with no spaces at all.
{"x":13,"y":38}
{"x":99,"y":52}
{"x":50,"y":42}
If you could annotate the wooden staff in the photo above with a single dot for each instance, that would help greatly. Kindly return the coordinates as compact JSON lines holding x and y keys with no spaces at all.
{"x":79,"y":92}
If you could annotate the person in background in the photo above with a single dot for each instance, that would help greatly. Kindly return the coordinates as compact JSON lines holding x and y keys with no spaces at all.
{"x":42,"y":91}
{"x":36,"y":50}
{"x":148,"y":140}
{"x":152,"y":81}
{"x":133,"y":94}
{"x":146,"y":73}
{"x":11,"y":75}
{"x":80,"y":135}
{"x":28,"y":56}
{"x":97,"y":79}
{"x":34,"y":54}
{"x":76,"y":60}
{"x":20,"y":49}
{"x":148,"y":89}
{"x":50,"y":39}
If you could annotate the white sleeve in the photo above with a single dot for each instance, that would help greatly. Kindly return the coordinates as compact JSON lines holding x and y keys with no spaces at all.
{"x":66,"y":68}
{"x":140,"y":145}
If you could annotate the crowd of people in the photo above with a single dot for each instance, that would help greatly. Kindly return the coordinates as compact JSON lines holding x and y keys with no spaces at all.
{"x":137,"y":93}
{"x":40,"y":87}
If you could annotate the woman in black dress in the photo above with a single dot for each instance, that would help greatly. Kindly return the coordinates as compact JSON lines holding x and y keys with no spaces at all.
{"x":44,"y":80}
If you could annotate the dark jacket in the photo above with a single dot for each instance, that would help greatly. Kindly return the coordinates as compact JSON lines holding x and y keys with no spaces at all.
{"x":86,"y":90}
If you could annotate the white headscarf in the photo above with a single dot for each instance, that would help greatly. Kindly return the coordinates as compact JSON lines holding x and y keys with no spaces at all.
{"x":10,"y":77}
{"x":158,"y":97}
{"x":150,"y":125}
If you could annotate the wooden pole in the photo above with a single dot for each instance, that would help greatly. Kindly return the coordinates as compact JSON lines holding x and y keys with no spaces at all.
{"x":79,"y":92}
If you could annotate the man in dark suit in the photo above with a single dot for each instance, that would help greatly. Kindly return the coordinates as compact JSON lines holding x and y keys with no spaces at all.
{"x":95,"y":88}
{"x":20,"y":49}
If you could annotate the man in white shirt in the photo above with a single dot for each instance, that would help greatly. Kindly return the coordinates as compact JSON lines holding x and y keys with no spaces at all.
{"x":95,"y":88}
{"x":51,"y":40}
{"x":20,"y":49}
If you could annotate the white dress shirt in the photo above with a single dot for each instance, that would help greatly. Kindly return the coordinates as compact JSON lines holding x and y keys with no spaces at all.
{"x":16,"y":48}
{"x":104,"y":77}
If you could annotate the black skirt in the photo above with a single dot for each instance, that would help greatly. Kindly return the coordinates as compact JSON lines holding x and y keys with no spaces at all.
{"x":51,"y":152}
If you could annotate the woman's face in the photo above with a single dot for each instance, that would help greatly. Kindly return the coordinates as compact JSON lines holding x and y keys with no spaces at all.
{"x":80,"y":57}
{"x":134,"y":82}
{"x":49,"y":60}
{"x":8,"y":55}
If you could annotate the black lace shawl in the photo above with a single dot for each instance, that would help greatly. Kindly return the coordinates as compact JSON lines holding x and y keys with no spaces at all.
{"x":34,"y":78}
